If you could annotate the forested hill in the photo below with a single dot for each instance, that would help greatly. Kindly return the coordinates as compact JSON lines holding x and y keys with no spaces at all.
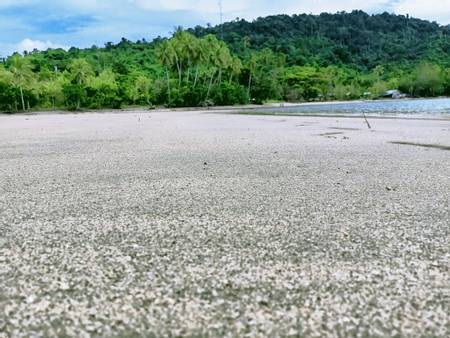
{"x":296,"y":58}
{"x":357,"y":38}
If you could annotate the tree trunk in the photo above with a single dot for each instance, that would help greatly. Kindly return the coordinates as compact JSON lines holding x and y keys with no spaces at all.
{"x":219,"y":77}
{"x":210,"y":85}
{"x":196,"y":77}
{"x":179,"y":74}
{"x":21,"y":97}
{"x":188,"y":71}
{"x":249,"y":86}
{"x":168,"y":84}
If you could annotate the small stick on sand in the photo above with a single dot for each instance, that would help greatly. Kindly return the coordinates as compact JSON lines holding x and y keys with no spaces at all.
{"x":367,"y":121}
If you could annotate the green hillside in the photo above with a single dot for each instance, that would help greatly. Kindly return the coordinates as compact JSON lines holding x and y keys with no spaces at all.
{"x":339,"y":56}
{"x":356,"y":39}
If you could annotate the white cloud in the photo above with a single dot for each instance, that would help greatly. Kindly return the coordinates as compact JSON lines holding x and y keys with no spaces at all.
{"x":29,"y":45}
{"x":6,"y":3}
{"x":201,"y":6}
{"x":134,"y":19}
{"x":208,"y":10}
{"x":434,"y":10}
{"x":320,"y":6}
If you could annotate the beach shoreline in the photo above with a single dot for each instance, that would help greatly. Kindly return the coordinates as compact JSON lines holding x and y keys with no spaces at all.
{"x":276,"y":109}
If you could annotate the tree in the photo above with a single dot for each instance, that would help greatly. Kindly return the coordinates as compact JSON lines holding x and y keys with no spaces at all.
{"x":80,"y":71}
{"x":21,"y":70}
{"x":166,"y":55}
{"x":141,"y":91}
{"x":429,"y":80}
{"x":210,"y":46}
{"x":74,"y":95}
{"x":308,"y":82}
{"x":354,"y":39}
{"x":8,"y":93}
{"x":102,"y":90}
{"x":300,"y":57}
{"x":235,"y":68}
{"x":264,"y":69}
{"x":53,"y":90}
{"x":251,"y":65}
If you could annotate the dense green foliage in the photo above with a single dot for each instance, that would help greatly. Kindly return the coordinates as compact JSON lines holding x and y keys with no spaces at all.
{"x":293,"y":58}
{"x":357,"y":39}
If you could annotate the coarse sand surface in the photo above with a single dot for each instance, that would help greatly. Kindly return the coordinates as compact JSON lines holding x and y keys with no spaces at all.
{"x":193,"y":224}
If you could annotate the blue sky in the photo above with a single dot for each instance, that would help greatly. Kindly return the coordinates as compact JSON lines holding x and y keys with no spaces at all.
{"x":28,"y":24}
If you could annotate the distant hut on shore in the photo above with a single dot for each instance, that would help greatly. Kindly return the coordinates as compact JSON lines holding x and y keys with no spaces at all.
{"x":393,"y":94}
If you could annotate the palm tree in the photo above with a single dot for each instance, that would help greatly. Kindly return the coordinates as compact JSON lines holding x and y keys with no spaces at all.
{"x":198,"y":58}
{"x":188,"y":51}
{"x":141,"y":89}
{"x":53,"y":88}
{"x":177,"y":47}
{"x":235,"y":68}
{"x":252,"y":65}
{"x":7,"y":77}
{"x":223,"y":60}
{"x":166,"y":55}
{"x":211,"y":46}
{"x":22,"y":72}
{"x":80,"y":70}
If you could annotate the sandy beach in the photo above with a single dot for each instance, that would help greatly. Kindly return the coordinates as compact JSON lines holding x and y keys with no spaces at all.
{"x":196,"y":224}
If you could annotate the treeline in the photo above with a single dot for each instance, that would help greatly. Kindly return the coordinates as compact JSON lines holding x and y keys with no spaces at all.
{"x":194,"y":68}
{"x":357,"y":39}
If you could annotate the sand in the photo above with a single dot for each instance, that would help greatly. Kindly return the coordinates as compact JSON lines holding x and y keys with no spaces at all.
{"x":202,"y":225}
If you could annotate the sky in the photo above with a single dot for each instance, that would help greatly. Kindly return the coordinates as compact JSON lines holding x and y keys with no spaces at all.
{"x":42,"y":24}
